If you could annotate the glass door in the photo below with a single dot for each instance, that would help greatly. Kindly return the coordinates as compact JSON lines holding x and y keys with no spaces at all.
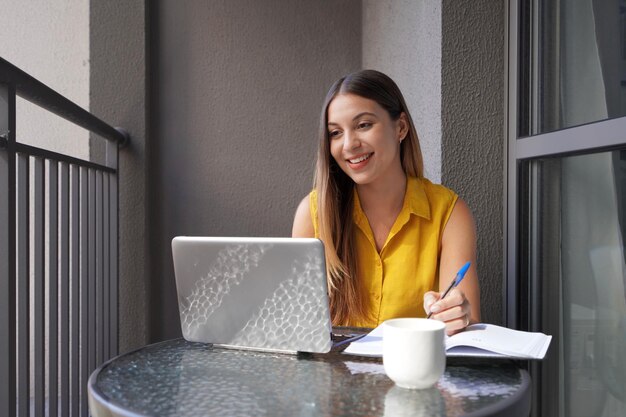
{"x":566,"y":199}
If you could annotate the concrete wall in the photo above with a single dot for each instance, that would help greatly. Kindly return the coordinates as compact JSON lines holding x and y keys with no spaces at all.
{"x":240,"y":87}
{"x":402,"y":38}
{"x":119,"y":36}
{"x":449,"y":65}
{"x":94,"y":54}
{"x":208,"y":165}
{"x":50,"y":41}
{"x":472,"y":120}
{"x":221,"y":167}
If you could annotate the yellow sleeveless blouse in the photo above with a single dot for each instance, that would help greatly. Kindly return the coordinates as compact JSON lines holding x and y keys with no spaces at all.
{"x":397,"y":278}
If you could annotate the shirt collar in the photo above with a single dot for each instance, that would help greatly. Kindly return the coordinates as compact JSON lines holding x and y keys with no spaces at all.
{"x":415,"y":202}
{"x":415,"y":198}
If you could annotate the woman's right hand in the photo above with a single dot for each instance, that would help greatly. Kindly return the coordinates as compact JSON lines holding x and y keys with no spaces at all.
{"x":454,"y":310}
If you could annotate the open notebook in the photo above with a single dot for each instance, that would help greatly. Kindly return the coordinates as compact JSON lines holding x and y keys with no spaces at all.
{"x":478,"y":340}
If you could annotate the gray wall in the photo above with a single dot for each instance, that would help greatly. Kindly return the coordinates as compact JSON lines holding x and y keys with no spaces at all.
{"x":234,"y":98}
{"x":402,"y":38}
{"x":472,"y":119}
{"x":94,"y":54}
{"x":449,"y":65}
{"x":118,"y":88}
{"x":32,"y":36}
{"x":240,"y":87}
{"x":208,"y":164}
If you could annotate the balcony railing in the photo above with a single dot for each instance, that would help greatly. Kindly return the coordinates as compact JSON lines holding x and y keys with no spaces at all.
{"x":58,"y":258}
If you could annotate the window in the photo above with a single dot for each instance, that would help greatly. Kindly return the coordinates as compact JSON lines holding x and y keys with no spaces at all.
{"x":566,"y":199}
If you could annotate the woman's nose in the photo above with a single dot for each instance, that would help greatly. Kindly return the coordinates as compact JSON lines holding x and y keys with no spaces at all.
{"x":350,"y":141}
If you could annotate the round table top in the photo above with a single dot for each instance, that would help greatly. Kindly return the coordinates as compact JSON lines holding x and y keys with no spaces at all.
{"x":180,"y":378}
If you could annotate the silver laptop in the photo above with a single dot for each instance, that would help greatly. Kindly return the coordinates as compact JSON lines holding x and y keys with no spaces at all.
{"x":254,"y":293}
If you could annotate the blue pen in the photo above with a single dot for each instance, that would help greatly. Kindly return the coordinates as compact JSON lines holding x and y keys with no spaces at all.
{"x":456,"y":281}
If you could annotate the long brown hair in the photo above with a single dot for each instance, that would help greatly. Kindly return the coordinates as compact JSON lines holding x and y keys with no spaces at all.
{"x":335,"y":193}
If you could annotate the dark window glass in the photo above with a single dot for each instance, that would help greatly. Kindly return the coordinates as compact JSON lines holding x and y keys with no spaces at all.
{"x":575,"y":218}
{"x":579,"y":73}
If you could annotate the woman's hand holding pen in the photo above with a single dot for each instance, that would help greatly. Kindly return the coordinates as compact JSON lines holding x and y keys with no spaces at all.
{"x":451,"y":306}
{"x":454,"y":310}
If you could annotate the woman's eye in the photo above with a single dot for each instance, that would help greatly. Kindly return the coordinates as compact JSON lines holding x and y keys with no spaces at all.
{"x":333,"y":134}
{"x":364,"y":125}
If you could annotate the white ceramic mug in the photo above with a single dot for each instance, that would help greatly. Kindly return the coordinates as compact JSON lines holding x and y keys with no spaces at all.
{"x":414,"y":354}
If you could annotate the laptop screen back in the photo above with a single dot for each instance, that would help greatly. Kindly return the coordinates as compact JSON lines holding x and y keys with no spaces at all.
{"x":259,"y":293}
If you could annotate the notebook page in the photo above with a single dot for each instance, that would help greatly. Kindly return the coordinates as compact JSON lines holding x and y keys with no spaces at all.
{"x":479,"y":340}
{"x":370,"y":345}
{"x":501,"y":340}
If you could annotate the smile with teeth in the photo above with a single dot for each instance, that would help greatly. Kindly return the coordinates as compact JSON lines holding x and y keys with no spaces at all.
{"x":360,"y":158}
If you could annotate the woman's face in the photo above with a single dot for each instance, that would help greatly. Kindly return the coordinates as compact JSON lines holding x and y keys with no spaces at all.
{"x":364,"y":140}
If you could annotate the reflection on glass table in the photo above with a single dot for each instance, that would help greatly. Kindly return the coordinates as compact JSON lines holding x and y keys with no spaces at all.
{"x":179,"y":378}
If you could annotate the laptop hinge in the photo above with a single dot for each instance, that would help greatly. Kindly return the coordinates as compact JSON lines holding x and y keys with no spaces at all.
{"x":255,"y":349}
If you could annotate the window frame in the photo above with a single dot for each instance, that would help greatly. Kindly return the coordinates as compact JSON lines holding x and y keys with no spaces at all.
{"x":603,"y":135}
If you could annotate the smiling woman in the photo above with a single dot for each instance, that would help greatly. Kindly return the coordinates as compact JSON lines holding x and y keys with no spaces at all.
{"x":364,"y":139}
{"x":392,"y":238}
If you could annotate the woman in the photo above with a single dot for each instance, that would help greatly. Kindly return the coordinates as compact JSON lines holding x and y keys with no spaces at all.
{"x":393,"y":240}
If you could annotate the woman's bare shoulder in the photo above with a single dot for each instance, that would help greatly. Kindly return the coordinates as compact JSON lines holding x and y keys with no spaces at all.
{"x":302,"y":222}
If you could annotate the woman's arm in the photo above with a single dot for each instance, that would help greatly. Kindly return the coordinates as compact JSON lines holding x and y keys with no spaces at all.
{"x":461,"y":306}
{"x":302,"y":223}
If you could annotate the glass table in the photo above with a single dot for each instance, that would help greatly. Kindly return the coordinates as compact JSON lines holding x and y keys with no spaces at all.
{"x":180,"y":378}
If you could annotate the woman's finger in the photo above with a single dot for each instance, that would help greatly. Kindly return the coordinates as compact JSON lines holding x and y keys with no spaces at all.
{"x":456,"y":325}
{"x":429,"y":299}
{"x":454,"y":298}
{"x":451,"y":314}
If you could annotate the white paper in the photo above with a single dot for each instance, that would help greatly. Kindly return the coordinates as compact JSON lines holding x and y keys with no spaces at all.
{"x":478,"y":340}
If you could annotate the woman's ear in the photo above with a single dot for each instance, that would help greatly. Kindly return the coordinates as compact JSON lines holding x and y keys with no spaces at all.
{"x":402,"y":126}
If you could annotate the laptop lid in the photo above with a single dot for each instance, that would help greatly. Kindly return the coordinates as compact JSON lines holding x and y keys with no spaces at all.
{"x":257,"y":293}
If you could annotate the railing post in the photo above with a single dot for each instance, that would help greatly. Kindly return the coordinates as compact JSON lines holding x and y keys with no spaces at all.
{"x":112,"y":161}
{"x":7,"y":251}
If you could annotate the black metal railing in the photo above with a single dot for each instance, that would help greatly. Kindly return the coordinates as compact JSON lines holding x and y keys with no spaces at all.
{"x":58,"y":258}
